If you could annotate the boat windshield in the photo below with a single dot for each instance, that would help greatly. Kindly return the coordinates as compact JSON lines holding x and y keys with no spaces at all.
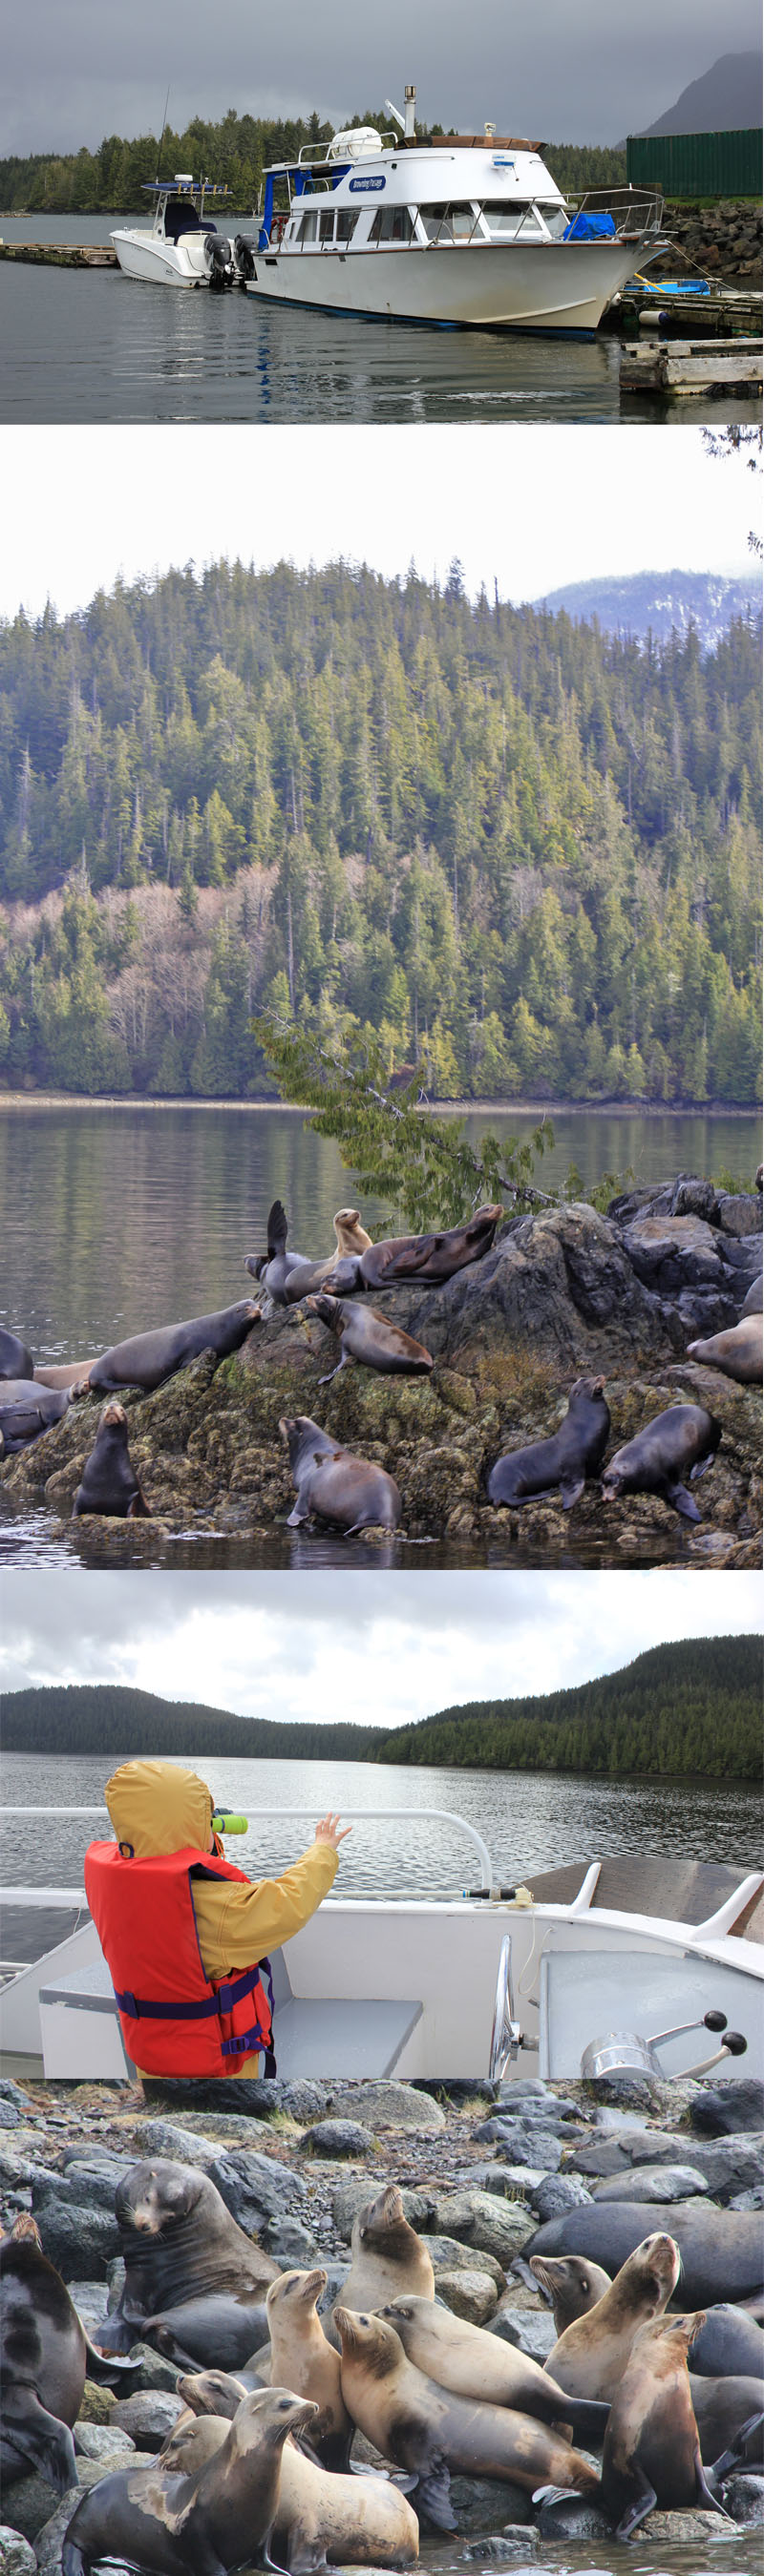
{"x":505,"y":221}
{"x":392,"y":224}
{"x":455,"y":222}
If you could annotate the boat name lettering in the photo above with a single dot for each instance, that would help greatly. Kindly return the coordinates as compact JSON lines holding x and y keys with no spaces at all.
{"x":502,"y":161}
{"x":366,"y":187}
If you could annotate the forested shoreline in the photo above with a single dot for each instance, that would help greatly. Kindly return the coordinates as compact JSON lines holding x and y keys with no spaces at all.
{"x":520,"y":850}
{"x":234,"y":151}
{"x":684,"y":1710}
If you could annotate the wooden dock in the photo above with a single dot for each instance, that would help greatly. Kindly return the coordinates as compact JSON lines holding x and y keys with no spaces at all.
{"x":61,"y":254}
{"x":673,"y":370}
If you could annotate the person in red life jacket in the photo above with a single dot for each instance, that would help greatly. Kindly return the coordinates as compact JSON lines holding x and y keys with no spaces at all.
{"x":185,"y":1933}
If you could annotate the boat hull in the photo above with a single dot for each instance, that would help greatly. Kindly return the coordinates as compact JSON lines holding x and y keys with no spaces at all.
{"x":539,"y":286}
{"x":161,"y":262}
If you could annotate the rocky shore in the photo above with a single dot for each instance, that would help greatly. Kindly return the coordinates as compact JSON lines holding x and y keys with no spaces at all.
{"x":724,"y":240}
{"x":479,"y":2166}
{"x":561,"y":1294}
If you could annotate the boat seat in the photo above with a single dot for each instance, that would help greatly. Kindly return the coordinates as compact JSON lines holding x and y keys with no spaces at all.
{"x":327,"y":2036}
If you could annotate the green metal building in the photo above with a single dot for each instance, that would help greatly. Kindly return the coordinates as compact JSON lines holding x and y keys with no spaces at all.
{"x":697,"y":165}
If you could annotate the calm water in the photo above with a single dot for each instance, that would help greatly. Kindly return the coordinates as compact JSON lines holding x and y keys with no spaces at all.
{"x":528,"y":1823}
{"x":94,"y":345}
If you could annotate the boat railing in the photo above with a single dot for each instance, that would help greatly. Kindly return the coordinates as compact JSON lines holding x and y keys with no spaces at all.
{"x":634,"y":211}
{"x":374,"y":1815}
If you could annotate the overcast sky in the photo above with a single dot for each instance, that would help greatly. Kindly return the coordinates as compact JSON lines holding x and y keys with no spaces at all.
{"x":535,"y":508}
{"x":388,"y":1649}
{"x":75,"y":73}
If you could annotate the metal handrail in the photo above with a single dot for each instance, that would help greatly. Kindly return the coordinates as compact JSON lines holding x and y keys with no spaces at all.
{"x":376,"y":1815}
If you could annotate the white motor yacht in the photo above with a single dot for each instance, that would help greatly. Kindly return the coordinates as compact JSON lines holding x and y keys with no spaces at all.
{"x":182,"y":245}
{"x":622,"y":1965}
{"x":463,"y":230}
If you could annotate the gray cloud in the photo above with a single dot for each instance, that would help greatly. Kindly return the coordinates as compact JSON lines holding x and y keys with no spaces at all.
{"x":557,"y":73}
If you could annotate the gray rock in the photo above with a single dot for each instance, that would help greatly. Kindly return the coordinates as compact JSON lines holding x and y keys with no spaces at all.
{"x":387,"y":2106}
{"x":739,"y":1212}
{"x":108,"y":2444}
{"x":651,"y":2182}
{"x":478,"y":2218}
{"x":573,"y":2518}
{"x":447,"y":2254}
{"x":536,"y":2146}
{"x":534,"y":2330}
{"x":291,"y":2244}
{"x":166,"y":2138}
{"x":300,"y":2099}
{"x":753,"y":2199}
{"x":725,"y":2110}
{"x":692,"y":2525}
{"x":33,"y":2500}
{"x":469,"y":2294}
{"x":556,"y":2192}
{"x":151,"y":2368}
{"x":337,"y":2138}
{"x":148,"y":2417}
{"x":479,"y":2503}
{"x":507,"y":2182}
{"x":72,"y":2235}
{"x":504,"y":2548}
{"x":255,"y":2187}
{"x":10,"y":2118}
{"x":12,"y":2092}
{"x":17,"y":2556}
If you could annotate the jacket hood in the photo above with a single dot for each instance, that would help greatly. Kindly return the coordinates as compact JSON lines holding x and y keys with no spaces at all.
{"x":159,"y":1808}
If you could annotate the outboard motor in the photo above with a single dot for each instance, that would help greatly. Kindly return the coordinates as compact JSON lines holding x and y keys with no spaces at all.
{"x":219,"y":260}
{"x":245,"y":247}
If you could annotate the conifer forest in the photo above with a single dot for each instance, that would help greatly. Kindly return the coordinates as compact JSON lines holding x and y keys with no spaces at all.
{"x":523,"y":852}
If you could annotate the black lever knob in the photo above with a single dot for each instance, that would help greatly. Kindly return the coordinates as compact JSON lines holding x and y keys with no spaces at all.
{"x":735,"y":2043}
{"x":715,"y":2021}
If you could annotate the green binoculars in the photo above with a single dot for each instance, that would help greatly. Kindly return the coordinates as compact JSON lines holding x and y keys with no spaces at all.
{"x":223,"y":1822}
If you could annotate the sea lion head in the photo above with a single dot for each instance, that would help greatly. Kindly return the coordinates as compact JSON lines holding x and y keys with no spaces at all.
{"x":156,"y":2197}
{"x":113,"y":1416}
{"x":652,"y":2271}
{"x":210,"y":2392}
{"x":666,"y":2341}
{"x":369,"y":2339}
{"x":571,"y":2280}
{"x":383,"y":2219}
{"x":295,"y":2291}
{"x":328,"y":1309}
{"x":586,"y":1389}
{"x":266,"y":2415}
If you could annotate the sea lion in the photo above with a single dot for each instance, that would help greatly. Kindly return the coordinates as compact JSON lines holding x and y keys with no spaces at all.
{"x":651,"y":2454}
{"x":425,"y":2428}
{"x":352,"y":1492}
{"x":429,"y":1256}
{"x":75,"y":1373}
{"x":301,"y":2358}
{"x":27,"y":1410}
{"x":591,"y":2356}
{"x":45,"y":2357}
{"x":176,"y":2525}
{"x":109,"y":1482}
{"x":150,"y":1358}
{"x":365,"y":2520}
{"x":570,"y":2286}
{"x":573,"y":1453}
{"x":364,"y":1336}
{"x":290,"y":1276}
{"x":726,"y":2409}
{"x":738,"y":1352}
{"x":683,"y":1439}
{"x":721,"y":2249}
{"x":387,"y":2258}
{"x":731,"y":2343}
{"x":15,"y":1359}
{"x":183,"y":2250}
{"x":472,"y":2363}
{"x":752,"y":1302}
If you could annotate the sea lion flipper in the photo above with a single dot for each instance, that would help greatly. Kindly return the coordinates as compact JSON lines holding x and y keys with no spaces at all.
{"x":683,"y":1502}
{"x":641,"y":2503}
{"x":702,"y":1466}
{"x":732,"y":2457}
{"x":571,"y":1489}
{"x":433,"y":2494}
{"x":277,"y":1229}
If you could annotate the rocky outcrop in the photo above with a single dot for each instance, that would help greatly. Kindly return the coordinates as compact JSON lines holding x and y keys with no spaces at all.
{"x":723,"y":240}
{"x":565,"y":1293}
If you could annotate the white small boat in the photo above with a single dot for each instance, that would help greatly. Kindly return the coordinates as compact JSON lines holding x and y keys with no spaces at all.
{"x":464,"y":231}
{"x":629,"y":1964}
{"x":182,"y":246}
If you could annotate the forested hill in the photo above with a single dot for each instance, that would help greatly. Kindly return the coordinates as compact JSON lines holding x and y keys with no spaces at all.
{"x":692,"y":1709}
{"x":520,"y":848}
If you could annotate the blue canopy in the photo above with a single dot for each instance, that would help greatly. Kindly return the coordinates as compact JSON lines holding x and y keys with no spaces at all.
{"x":590,"y":228}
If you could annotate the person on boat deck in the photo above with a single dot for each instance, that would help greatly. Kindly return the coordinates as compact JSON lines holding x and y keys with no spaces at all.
{"x":178,"y":1923}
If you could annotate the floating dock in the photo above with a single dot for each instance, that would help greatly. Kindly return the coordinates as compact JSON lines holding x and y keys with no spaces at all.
{"x":61,"y":254}
{"x":673,"y":370}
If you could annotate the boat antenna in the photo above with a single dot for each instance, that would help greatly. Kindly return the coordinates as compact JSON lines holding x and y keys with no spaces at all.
{"x":161,"y":138}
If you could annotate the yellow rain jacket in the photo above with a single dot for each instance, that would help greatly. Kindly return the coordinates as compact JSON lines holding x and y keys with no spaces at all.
{"x":159,"y":1808}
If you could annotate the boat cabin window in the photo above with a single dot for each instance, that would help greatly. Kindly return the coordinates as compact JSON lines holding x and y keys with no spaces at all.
{"x":504,"y":220}
{"x":453,"y":223}
{"x":556,"y":218}
{"x":326,"y":225}
{"x":392,"y":224}
{"x":307,"y":229}
{"x":347,"y":219}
